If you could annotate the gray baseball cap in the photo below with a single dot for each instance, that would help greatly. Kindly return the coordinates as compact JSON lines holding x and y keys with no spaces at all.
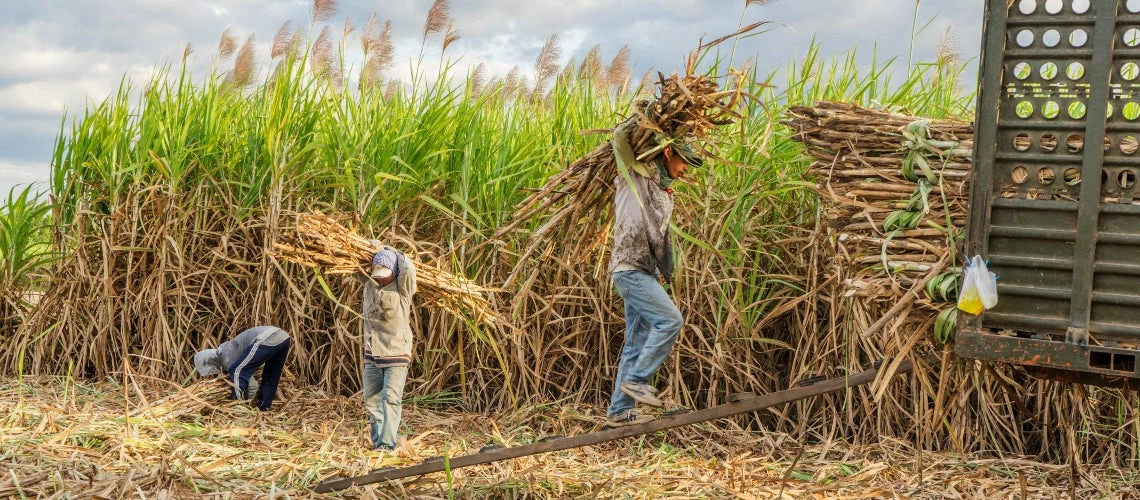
{"x":206,"y":362}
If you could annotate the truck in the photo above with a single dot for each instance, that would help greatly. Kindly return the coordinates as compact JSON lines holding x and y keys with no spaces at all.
{"x":1054,"y":205}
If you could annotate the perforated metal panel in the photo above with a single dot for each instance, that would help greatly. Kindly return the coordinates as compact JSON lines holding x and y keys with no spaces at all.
{"x":1054,"y":204}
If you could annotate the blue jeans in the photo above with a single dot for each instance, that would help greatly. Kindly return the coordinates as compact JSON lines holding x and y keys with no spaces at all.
{"x":652,"y":322}
{"x":384,"y":400}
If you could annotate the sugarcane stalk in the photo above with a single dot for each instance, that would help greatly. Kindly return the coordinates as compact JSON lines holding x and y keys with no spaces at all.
{"x":187,"y":400}
{"x":320,"y":241}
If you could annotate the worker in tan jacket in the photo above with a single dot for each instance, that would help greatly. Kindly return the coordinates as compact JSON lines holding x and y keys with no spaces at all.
{"x":387,"y":305}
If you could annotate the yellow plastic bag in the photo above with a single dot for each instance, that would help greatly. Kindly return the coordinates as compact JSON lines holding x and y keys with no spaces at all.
{"x":979,"y":288}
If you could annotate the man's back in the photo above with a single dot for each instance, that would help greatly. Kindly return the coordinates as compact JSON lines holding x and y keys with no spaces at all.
{"x":263,"y":335}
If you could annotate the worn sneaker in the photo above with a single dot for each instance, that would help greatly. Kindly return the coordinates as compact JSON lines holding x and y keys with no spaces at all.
{"x":628,"y":417}
{"x":642,"y":393}
{"x":379,"y":457}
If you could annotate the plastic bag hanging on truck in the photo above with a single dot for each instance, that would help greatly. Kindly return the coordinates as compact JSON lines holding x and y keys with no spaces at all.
{"x":979,"y":287}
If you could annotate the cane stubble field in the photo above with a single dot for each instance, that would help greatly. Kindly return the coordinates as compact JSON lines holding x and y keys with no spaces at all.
{"x":157,"y":235}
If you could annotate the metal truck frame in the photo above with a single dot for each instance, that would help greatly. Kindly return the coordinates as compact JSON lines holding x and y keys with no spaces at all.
{"x":1058,"y":220}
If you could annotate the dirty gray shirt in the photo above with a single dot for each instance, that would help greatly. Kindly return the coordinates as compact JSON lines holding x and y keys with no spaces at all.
{"x":642,"y":210}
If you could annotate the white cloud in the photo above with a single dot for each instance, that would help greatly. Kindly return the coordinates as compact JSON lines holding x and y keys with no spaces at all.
{"x":28,"y":62}
{"x":572,"y":41}
{"x":51,"y":97}
{"x":35,"y":97}
{"x":22,"y":173}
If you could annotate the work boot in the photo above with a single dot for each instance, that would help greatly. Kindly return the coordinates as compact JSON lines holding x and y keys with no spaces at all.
{"x":642,"y":393}
{"x":628,"y":417}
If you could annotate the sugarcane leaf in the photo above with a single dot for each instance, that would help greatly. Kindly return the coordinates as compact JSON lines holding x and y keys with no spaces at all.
{"x":923,"y":194}
{"x":447,"y":211}
{"x":691,"y":239}
{"x":329,"y":293}
{"x":766,"y":340}
{"x":389,"y":176}
{"x":926,"y":169}
{"x":908,"y":167}
{"x":802,"y":476}
{"x":883,"y":250}
{"x":949,"y":287}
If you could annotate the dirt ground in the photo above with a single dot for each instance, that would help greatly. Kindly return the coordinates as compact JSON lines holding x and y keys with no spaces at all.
{"x":64,"y":438}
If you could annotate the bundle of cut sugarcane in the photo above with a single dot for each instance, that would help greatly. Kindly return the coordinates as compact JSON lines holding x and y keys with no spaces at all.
{"x":686,"y":109}
{"x":894,"y":187}
{"x":320,"y":241}
{"x":187,"y":400}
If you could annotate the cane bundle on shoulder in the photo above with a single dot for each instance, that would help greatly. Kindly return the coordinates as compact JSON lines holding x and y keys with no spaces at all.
{"x":320,"y":241}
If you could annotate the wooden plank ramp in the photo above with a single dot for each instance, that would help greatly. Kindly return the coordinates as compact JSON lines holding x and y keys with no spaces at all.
{"x":741,"y":404}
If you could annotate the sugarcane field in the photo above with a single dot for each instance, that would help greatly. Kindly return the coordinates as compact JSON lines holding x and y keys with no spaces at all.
{"x":677,"y":249}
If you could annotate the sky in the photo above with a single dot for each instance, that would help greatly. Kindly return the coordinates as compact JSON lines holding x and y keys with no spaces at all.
{"x":57,"y":57}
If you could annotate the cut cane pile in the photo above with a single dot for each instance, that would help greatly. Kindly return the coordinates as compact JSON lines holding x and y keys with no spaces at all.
{"x":189,"y":400}
{"x":894,"y":190}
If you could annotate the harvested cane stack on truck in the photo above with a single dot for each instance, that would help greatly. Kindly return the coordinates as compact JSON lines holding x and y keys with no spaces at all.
{"x":318,"y":240}
{"x":894,"y":190}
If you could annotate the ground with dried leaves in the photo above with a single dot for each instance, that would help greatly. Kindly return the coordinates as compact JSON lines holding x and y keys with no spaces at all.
{"x":63,"y":438}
